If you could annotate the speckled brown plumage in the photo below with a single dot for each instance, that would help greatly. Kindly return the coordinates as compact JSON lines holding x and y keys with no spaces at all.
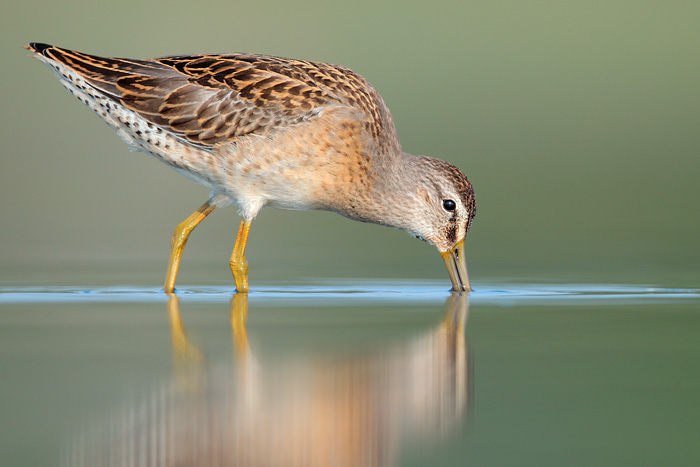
{"x":268,"y":131}
{"x":213,"y":98}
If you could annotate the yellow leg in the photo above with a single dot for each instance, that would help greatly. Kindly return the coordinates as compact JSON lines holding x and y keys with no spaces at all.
{"x":180,"y":236}
{"x":239,"y":265}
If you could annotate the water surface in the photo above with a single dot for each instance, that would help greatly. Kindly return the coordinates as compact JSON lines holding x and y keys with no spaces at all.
{"x":351,"y":373}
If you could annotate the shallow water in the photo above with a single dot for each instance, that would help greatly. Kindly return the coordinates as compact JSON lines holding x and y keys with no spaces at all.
{"x":351,"y":373}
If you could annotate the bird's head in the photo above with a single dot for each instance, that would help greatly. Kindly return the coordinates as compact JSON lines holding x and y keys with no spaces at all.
{"x":443,"y":212}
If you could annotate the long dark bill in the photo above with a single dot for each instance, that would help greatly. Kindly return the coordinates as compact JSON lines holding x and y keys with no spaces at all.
{"x":457,"y":267}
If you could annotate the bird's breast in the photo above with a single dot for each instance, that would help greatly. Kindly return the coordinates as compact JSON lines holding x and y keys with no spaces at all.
{"x":319,"y":164}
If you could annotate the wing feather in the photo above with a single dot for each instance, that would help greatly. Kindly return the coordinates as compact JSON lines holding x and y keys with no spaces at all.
{"x":209,"y":99}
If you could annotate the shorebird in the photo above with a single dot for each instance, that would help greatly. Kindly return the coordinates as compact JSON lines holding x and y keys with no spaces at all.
{"x":259,"y":131}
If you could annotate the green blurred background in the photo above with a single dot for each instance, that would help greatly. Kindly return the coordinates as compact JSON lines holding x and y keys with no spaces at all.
{"x":577,"y":122}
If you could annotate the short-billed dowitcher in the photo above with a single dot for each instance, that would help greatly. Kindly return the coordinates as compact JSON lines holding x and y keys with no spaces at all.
{"x":264,"y":131}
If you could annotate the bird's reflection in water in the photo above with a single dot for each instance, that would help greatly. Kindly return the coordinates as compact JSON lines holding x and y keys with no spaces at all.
{"x":324,"y":411}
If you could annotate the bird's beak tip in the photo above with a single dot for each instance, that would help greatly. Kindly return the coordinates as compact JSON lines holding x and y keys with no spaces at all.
{"x":457,"y":267}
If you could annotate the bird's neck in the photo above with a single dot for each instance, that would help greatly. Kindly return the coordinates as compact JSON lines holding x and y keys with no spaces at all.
{"x":393,"y":186}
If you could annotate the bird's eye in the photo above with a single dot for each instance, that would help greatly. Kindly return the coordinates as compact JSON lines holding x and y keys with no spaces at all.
{"x":449,"y":205}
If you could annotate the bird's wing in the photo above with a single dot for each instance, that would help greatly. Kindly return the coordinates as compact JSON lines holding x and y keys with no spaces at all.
{"x":209,"y":99}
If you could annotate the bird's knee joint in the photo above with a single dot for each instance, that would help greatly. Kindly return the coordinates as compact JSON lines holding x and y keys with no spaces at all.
{"x":179,"y":235}
{"x":239,"y":264}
